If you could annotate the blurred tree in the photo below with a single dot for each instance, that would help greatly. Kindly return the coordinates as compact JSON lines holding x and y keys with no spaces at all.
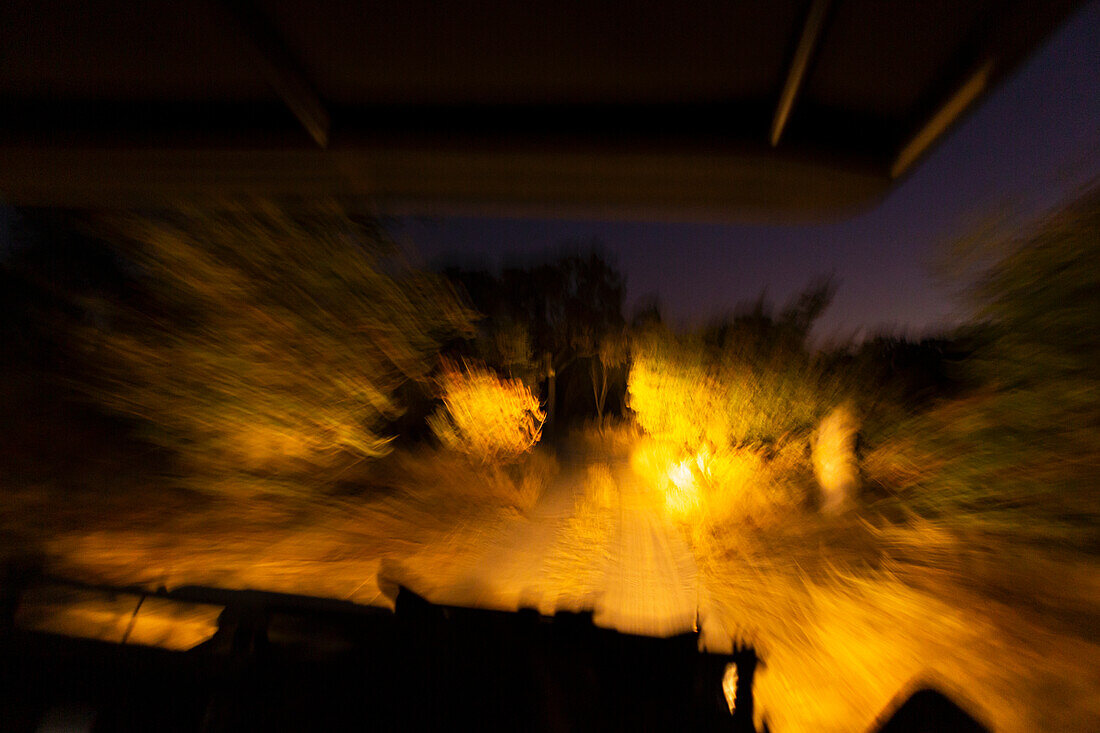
{"x":647,"y":314}
{"x":565,"y":308}
{"x":48,"y":275}
{"x":1019,"y":451}
{"x":890,"y":378}
{"x":1040,"y":306}
{"x":52,"y":435}
{"x":266,"y":340}
{"x":512,"y":348}
{"x":613,"y":352}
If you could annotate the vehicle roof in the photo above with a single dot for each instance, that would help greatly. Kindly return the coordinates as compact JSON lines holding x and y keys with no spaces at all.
{"x":789,"y":109}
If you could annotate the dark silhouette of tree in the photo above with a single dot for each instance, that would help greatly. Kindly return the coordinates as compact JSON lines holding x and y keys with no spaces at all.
{"x":647,"y":314}
{"x":613,"y":353}
{"x":554,"y":314}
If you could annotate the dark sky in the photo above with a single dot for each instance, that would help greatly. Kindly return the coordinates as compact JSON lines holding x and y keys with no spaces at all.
{"x":1029,"y":144}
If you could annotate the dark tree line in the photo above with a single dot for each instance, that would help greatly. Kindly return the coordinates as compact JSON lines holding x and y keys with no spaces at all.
{"x":560,"y":321}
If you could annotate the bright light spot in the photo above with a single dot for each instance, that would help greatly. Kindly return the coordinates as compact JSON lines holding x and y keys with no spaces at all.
{"x":682,"y":496}
{"x":680,"y":474}
{"x":702,"y":459}
{"x":834,"y":457}
{"x":729,"y":686}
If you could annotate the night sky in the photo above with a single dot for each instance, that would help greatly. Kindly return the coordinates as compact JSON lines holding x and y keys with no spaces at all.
{"x":1027,"y":147}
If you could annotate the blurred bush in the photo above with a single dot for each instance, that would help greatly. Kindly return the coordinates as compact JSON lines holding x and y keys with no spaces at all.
{"x":485,"y":416}
{"x":708,"y":490}
{"x":743,"y":380}
{"x":1021,"y":452}
{"x":263,"y":340}
{"x":727,"y":402}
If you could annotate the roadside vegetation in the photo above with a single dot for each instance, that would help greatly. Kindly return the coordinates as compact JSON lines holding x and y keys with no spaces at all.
{"x":264,"y":398}
{"x":965,"y":551}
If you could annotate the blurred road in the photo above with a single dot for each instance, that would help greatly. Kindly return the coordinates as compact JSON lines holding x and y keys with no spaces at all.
{"x":598,"y":540}
{"x":650,"y":579}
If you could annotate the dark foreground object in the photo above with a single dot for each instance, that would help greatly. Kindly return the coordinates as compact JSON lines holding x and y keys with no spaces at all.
{"x":292,"y":663}
{"x":929,"y":711}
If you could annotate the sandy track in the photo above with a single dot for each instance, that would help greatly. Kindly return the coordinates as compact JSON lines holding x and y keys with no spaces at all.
{"x":617,"y":555}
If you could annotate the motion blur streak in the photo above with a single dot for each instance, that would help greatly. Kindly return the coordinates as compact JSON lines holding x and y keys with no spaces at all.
{"x":266,"y":401}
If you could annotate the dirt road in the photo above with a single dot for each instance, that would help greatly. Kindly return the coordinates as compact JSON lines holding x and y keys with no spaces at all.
{"x":596,"y":540}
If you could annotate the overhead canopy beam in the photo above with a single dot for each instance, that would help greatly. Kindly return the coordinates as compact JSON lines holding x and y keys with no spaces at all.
{"x":1009,"y":35}
{"x":279,"y":67}
{"x":942,"y":118}
{"x":404,"y":177}
{"x":185,"y":121}
{"x":811,"y":31}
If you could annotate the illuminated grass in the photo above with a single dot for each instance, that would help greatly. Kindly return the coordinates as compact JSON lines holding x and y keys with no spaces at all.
{"x":328,"y":545}
{"x":848,"y":616}
{"x":707,"y":488}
